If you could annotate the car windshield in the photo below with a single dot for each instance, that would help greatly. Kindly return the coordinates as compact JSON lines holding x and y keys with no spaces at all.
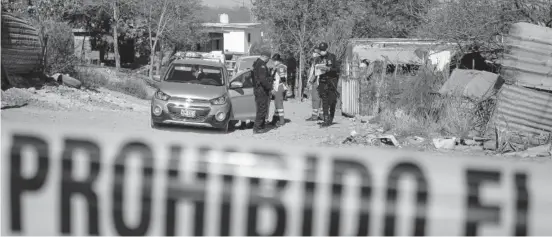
{"x":196,"y":74}
{"x":246,"y":63}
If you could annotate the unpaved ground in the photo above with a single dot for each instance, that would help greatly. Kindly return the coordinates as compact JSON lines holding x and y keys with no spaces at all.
{"x":118,"y":112}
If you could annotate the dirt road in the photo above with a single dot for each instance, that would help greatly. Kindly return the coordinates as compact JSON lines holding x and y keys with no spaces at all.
{"x":118,"y":112}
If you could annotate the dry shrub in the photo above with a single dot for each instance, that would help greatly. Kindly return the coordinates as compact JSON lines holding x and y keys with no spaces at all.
{"x":94,"y":78}
{"x":60,"y":56}
{"x":91,"y":79}
{"x":411,"y":106}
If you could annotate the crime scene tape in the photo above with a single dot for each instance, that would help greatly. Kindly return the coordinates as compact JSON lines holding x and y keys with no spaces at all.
{"x":57,"y":181}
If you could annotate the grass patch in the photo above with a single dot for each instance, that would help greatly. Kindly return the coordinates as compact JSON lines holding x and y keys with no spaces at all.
{"x":410,"y":106}
{"x":93,"y":78}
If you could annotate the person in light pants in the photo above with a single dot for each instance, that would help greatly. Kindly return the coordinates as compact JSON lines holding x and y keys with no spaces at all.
{"x":313,"y":85}
{"x":279,"y":91}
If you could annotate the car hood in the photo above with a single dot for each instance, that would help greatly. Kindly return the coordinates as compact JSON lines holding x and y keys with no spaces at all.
{"x":189,"y":90}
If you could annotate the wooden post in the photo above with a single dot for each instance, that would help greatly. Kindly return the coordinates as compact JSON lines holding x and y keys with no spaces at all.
{"x":379,"y":83}
{"x":396,"y":69}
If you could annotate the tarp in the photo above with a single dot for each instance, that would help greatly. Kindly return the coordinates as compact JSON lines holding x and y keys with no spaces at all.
{"x":60,"y":181}
{"x":473,"y":84}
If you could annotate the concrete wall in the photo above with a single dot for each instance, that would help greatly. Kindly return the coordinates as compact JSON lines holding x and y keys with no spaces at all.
{"x":252,"y":36}
{"x":83,"y":47}
{"x":234,"y":41}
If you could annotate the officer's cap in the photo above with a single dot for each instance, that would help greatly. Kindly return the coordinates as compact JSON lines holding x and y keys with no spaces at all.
{"x":323,"y":46}
{"x":276,"y":57}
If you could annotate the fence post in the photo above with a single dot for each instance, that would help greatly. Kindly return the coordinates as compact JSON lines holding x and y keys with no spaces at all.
{"x":379,"y":82}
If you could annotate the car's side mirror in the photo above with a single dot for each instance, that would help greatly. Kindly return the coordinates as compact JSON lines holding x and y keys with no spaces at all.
{"x":156,"y":77}
{"x":236,"y":85}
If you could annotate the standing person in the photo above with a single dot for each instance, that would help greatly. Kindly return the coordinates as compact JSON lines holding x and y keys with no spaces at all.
{"x":291,"y":64}
{"x":313,"y":83}
{"x":327,"y":87}
{"x":279,"y":90}
{"x":263,"y":87}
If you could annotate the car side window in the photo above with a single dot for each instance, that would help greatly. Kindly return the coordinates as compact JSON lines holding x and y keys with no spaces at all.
{"x":245,"y":79}
{"x":248,"y":80}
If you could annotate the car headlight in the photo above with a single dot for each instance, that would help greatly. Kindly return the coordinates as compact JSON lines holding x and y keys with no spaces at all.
{"x":219,"y":101}
{"x":162,"y":96}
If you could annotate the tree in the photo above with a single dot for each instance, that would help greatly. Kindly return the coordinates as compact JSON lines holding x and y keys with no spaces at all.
{"x":470,"y":23}
{"x":295,"y":25}
{"x":390,"y":18}
{"x":162,"y":18}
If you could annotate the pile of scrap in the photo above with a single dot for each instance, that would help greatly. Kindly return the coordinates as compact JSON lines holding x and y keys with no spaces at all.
{"x":523,"y":113}
{"x":521,"y":120}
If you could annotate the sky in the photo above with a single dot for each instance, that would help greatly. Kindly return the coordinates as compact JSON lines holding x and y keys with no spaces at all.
{"x":226,"y":3}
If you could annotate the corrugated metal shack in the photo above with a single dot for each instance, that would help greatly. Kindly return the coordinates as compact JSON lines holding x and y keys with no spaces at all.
{"x":524,"y":106}
{"x":392,"y":50}
{"x":21,"y":46}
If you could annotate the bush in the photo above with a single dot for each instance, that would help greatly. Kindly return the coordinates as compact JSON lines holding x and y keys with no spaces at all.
{"x":411,"y":106}
{"x":94,"y":78}
{"x":60,"y":57}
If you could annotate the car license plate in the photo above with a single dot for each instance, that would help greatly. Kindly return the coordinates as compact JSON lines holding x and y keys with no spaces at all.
{"x":188,"y":113}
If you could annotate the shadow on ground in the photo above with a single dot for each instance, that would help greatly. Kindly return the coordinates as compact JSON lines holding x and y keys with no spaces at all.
{"x":14,"y":106}
{"x":200,"y":130}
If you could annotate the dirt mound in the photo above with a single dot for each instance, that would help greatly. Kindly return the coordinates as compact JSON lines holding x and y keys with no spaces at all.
{"x":67,"y":98}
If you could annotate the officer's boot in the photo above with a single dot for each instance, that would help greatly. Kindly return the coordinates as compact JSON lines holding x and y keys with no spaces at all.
{"x":281,"y":121}
{"x":274,"y":120}
{"x":313,"y":118}
{"x":326,"y":122}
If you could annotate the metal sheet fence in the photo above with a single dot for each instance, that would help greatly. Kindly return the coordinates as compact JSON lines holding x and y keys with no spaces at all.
{"x":21,"y":45}
{"x":528,"y":56}
{"x":350,"y":98}
{"x":522,"y":110}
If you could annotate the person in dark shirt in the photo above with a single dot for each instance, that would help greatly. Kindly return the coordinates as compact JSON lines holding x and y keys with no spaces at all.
{"x":262,"y":89}
{"x":327,"y":87}
{"x":291,"y":64}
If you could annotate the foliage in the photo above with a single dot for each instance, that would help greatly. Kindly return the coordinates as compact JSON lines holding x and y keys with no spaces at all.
{"x":295,"y":27}
{"x":390,"y":18}
{"x":60,"y":56}
{"x":258,"y":47}
{"x":481,"y":23}
{"x":410,"y":105}
{"x":235,"y":14}
{"x":175,"y":22}
{"x":469,"y":22}
{"x":132,"y":85}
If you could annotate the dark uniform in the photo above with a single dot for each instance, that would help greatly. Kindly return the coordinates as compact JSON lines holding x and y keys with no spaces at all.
{"x":327,"y":88}
{"x":262,"y":91}
{"x":292,"y":74}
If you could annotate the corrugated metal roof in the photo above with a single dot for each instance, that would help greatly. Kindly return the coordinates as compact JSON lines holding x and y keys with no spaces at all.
{"x":232,"y":25}
{"x":477,"y":85}
{"x":397,"y":50}
{"x":523,"y":110}
{"x":528,"y":56}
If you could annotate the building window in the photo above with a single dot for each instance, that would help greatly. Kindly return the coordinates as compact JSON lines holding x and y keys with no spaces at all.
{"x":248,"y":37}
{"x":218,"y":44}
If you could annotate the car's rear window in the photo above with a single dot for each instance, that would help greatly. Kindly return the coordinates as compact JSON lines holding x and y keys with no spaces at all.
{"x":196,"y":74}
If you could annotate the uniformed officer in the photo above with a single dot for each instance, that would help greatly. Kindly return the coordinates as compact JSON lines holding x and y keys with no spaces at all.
{"x":279,"y":89}
{"x":291,"y":64}
{"x":262,"y":90}
{"x":313,"y":83}
{"x":327,"y":87}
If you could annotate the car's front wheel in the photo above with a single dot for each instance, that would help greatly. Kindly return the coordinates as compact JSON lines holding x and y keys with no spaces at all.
{"x":154,"y":125}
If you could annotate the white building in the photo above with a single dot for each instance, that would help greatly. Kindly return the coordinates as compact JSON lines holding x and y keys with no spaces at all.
{"x":233,"y":38}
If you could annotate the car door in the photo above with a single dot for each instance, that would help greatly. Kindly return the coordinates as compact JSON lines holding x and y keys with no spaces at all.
{"x":243,"y":99}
